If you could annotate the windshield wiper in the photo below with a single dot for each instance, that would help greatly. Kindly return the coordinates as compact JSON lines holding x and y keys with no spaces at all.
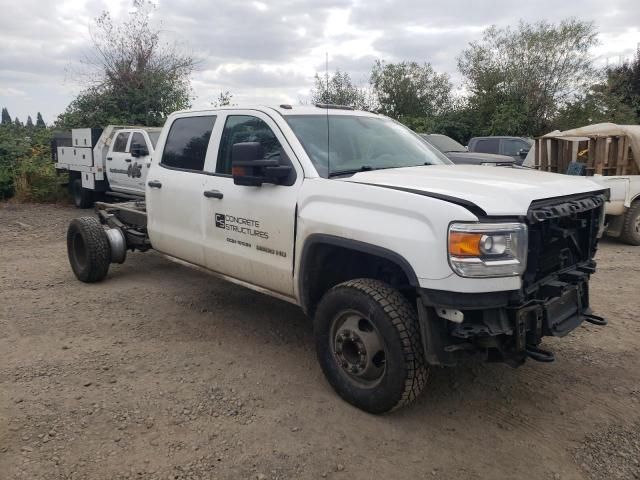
{"x":363,"y":168}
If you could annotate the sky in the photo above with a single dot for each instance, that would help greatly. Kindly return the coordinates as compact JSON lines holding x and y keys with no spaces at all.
{"x":268,"y":51}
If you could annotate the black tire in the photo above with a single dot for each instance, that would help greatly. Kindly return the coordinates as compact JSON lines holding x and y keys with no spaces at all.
{"x":82,"y":197}
{"x":402,"y":371}
{"x":631,"y":226}
{"x":88,"y":249}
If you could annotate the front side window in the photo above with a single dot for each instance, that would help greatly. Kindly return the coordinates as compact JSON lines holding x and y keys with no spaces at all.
{"x":357,"y":143}
{"x":245,"y":128}
{"x":187,"y":142}
{"x":512,"y":147}
{"x":120,"y":143}
{"x":139,"y":139}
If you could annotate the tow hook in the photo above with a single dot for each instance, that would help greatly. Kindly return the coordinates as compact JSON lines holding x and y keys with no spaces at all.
{"x":539,"y":354}
{"x":595,"y":319}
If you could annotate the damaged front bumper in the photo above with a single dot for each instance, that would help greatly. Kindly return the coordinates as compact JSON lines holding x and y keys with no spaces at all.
{"x":505,"y":326}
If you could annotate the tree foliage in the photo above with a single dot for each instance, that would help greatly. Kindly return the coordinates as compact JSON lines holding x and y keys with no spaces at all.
{"x":6,"y":118}
{"x":338,"y":89}
{"x":410,"y":89}
{"x":136,"y":77}
{"x":615,"y":99}
{"x":40,"y":121}
{"x":26,"y":170}
{"x":223,"y":100}
{"x":518,"y":79}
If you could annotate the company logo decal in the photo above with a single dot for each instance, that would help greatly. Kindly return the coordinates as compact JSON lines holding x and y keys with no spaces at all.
{"x":244,"y":226}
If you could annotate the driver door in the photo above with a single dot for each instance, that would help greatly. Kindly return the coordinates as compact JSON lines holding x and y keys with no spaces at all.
{"x":249,"y":231}
{"x":139,"y":166}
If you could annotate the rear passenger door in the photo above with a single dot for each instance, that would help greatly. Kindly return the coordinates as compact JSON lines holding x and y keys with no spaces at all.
{"x":175,"y":184}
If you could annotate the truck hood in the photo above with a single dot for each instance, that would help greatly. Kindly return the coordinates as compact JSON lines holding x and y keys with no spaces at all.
{"x":494,"y":190}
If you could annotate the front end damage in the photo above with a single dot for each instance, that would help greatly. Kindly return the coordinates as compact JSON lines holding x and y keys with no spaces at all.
{"x":553,"y":301}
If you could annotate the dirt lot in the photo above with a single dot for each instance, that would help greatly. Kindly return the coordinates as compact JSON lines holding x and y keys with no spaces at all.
{"x":165,"y":372}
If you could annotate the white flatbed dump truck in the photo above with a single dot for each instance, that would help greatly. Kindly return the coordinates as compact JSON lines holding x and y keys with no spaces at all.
{"x":609,"y":155}
{"x":112,"y":161}
{"x":401,"y":259}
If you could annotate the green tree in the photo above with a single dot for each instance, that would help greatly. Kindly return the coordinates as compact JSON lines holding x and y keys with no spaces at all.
{"x":615,"y":99}
{"x":138,"y":78}
{"x":6,"y":118}
{"x":339,"y":89}
{"x":39,"y":121}
{"x":519,"y":78}
{"x":29,"y":123}
{"x":410,"y":89}
{"x":623,"y":84}
{"x":17,"y":122}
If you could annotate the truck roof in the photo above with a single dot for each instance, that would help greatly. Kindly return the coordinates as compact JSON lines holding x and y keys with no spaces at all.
{"x":288,"y":109}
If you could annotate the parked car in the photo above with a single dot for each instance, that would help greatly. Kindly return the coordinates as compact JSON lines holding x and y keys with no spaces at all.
{"x":514,"y":147}
{"x":400,"y":259}
{"x":458,"y":153}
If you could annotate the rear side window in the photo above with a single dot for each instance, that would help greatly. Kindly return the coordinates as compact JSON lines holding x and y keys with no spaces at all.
{"x":487,"y":145}
{"x":120,"y":143}
{"x":187,"y":142}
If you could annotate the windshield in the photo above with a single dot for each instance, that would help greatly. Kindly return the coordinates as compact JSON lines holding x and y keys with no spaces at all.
{"x":444,"y":143}
{"x":359,"y":143}
{"x":153,"y":136}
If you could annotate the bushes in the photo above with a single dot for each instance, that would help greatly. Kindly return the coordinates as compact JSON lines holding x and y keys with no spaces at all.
{"x":26,"y":170}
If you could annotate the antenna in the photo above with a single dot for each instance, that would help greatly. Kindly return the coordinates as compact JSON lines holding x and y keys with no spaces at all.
{"x":326,"y":74}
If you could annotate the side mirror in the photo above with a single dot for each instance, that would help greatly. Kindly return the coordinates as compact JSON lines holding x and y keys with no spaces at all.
{"x":138,"y":150}
{"x":250,"y":168}
{"x":523,"y":153}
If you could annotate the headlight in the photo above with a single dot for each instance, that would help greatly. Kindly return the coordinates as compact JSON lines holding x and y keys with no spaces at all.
{"x":488,"y":249}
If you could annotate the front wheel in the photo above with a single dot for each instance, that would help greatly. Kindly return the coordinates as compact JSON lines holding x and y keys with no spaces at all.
{"x":368,"y":344}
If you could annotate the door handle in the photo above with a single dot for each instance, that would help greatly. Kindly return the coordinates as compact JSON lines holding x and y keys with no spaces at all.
{"x":128,"y":160}
{"x":213,"y":194}
{"x":109,"y":158}
{"x":154,"y":184}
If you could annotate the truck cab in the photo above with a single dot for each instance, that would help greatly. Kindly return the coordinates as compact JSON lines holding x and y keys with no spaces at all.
{"x":128,"y":159}
{"x":401,"y":259}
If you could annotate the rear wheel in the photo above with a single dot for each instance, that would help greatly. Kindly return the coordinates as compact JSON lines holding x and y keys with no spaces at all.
{"x":631,"y":227}
{"x":82,"y":197}
{"x":88,"y":249}
{"x":368,"y":344}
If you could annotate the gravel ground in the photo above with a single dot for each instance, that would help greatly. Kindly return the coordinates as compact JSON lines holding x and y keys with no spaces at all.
{"x":165,"y":372}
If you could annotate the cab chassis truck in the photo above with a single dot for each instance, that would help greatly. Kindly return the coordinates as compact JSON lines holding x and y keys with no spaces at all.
{"x":402,"y":260}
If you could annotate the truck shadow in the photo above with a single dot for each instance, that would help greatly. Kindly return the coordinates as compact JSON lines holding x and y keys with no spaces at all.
{"x":203,"y":308}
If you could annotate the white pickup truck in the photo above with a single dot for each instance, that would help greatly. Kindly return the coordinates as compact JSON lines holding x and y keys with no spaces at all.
{"x":114,"y":161}
{"x":401,"y":259}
